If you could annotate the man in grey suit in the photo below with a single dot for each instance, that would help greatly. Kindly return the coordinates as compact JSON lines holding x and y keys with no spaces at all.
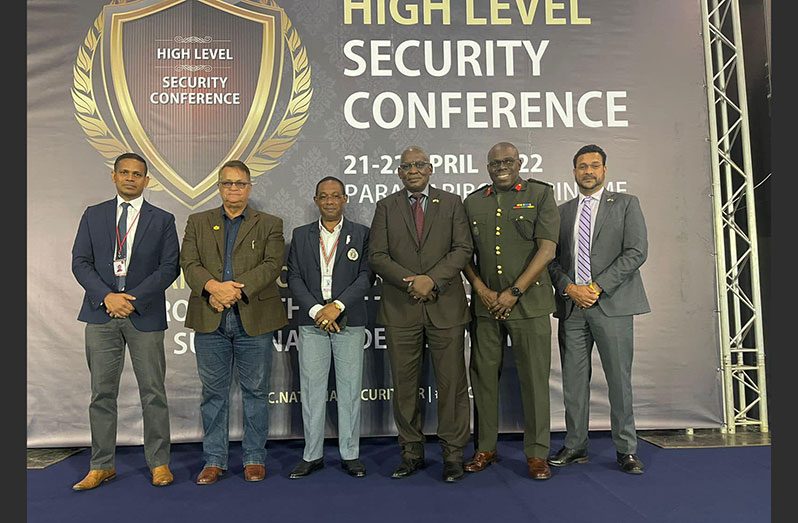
{"x":596,"y":273}
{"x":419,"y":243}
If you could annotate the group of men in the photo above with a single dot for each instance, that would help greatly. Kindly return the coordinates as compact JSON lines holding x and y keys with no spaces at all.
{"x":524,"y":258}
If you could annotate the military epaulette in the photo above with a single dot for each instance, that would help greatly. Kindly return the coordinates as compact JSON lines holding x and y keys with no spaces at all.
{"x":541,"y":182}
{"x":478,"y":189}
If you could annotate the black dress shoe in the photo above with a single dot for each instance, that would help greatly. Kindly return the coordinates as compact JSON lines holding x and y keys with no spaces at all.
{"x":407,"y":467}
{"x":452,"y":471}
{"x":306,"y":467}
{"x":629,"y":463}
{"x":566,"y":456}
{"x":354,"y":467}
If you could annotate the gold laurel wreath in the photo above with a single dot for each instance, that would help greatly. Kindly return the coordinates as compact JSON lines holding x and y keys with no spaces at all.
{"x":266,"y":154}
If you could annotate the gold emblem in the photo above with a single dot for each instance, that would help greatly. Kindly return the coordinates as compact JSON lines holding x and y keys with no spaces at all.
{"x":352,"y":254}
{"x":189,"y":103}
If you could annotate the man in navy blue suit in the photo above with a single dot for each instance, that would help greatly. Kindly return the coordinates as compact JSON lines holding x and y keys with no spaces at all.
{"x":328,"y":276}
{"x":125,"y":255}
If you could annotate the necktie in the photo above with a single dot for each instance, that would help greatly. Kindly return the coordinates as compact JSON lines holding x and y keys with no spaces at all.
{"x":121,"y":242}
{"x":418,"y":213}
{"x":583,"y":261}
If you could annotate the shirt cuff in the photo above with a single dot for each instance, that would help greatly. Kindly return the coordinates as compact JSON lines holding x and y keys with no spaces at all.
{"x":340,"y":305}
{"x":315,"y":310}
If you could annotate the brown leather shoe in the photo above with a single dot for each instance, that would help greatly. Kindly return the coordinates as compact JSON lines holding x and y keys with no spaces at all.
{"x":94,"y":479}
{"x":162,"y":476}
{"x":538,"y":468}
{"x":481,"y":460}
{"x":209,"y":475}
{"x":254,"y":472}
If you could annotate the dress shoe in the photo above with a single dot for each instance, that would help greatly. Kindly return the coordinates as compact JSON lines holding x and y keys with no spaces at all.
{"x":254,"y":472}
{"x":354,"y":467}
{"x":481,"y":460}
{"x":566,"y":456}
{"x":538,"y":468}
{"x":408,"y":467}
{"x":209,"y":475}
{"x":629,"y":463}
{"x":306,"y":467}
{"x":162,"y":476}
{"x":452,"y":471}
{"x":94,"y":479}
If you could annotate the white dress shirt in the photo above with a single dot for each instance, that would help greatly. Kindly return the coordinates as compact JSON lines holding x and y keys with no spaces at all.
{"x":329,"y":239}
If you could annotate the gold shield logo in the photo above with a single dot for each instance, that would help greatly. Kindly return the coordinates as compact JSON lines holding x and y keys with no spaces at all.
{"x":192,"y":84}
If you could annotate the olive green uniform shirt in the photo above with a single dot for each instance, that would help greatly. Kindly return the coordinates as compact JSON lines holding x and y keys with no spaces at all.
{"x":504,"y":227}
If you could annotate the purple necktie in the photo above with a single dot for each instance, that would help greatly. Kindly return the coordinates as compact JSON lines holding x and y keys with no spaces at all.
{"x":583,"y":261}
{"x":418,"y":213}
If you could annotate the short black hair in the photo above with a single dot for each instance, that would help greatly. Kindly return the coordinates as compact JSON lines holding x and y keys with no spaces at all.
{"x":330,"y":179}
{"x":591,"y":148}
{"x":235,"y":164}
{"x":130,"y":156}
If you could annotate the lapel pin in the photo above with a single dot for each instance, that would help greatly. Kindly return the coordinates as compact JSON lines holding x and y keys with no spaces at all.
{"x":215,"y":227}
{"x":253,"y":245}
{"x":352,"y":254}
{"x":348,"y":237}
{"x":435,"y":200}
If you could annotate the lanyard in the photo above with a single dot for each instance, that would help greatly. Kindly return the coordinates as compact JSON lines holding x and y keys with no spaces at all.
{"x":120,"y":244}
{"x":329,"y":257}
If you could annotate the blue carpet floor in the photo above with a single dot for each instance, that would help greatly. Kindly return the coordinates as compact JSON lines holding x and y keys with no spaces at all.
{"x":680,"y":485}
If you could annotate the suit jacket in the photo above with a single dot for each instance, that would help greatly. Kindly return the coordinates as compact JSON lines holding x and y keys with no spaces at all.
{"x":618,"y":248}
{"x":352,"y":277}
{"x":152,"y":267}
{"x":257,"y":262}
{"x":445,"y":248}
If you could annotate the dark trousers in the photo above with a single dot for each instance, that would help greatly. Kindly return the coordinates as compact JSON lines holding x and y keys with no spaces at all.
{"x":447,"y":352}
{"x":105,"y":354}
{"x":531,"y":347}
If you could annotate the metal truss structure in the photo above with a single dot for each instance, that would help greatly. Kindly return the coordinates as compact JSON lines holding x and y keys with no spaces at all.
{"x":736,"y":254}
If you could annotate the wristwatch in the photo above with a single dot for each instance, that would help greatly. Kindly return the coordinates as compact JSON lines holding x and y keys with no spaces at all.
{"x":337,"y":306}
{"x":515,"y":291}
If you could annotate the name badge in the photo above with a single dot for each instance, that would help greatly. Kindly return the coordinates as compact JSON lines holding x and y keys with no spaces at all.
{"x":120,"y":267}
{"x":326,"y":283}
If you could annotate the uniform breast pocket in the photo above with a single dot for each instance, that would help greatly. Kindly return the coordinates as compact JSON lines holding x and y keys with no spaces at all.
{"x":479,"y":226}
{"x":525,"y":223}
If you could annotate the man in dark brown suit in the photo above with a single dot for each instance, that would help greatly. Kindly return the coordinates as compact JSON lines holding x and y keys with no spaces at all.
{"x":420,"y":241}
{"x":231,"y":258}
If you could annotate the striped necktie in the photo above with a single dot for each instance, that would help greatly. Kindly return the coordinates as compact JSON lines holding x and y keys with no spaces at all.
{"x":121,"y":245}
{"x":583,"y":260}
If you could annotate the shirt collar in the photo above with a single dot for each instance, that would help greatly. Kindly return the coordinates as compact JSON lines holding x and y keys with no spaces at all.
{"x":335,"y":230}
{"x":519,"y":186}
{"x":596,"y":196}
{"x":243,"y":215}
{"x":135,"y":203}
{"x":425,"y":192}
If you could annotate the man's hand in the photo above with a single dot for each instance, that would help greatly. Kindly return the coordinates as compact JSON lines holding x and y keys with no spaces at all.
{"x":582,"y":295}
{"x":325,"y":318}
{"x":216,"y":304}
{"x":225,"y":292}
{"x":118,"y":305}
{"x":488,"y":297}
{"x":420,"y":287}
{"x":503,"y":305}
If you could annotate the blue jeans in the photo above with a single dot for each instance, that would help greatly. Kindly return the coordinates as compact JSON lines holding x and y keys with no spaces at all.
{"x":252,"y":355}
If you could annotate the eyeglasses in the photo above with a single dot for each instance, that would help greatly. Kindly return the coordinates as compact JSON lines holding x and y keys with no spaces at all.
{"x":325,"y":197}
{"x":418,"y":165}
{"x":495,"y":164}
{"x":594,"y":166}
{"x":239,"y":185}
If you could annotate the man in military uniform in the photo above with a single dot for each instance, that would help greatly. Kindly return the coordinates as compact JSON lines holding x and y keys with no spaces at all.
{"x":515,"y":226}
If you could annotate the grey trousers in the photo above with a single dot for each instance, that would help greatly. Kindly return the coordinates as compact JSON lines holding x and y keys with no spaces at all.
{"x":105,"y":354}
{"x":614,"y":338}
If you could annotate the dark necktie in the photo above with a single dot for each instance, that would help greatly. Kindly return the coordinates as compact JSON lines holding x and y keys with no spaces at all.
{"x":418,"y":213}
{"x":121,"y":243}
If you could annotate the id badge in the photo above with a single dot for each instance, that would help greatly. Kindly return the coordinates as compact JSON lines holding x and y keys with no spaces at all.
{"x":120,"y":267}
{"x":326,"y":283}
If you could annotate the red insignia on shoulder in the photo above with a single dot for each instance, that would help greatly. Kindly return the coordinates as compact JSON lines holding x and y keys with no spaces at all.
{"x":517,"y":187}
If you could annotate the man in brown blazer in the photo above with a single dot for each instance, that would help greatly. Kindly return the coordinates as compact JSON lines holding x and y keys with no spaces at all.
{"x":231,"y":258}
{"x":419,"y":243}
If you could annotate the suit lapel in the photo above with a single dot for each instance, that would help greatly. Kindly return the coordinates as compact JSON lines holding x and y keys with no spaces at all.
{"x":216,"y":225}
{"x":346,"y":231}
{"x":145,"y":217}
{"x":607,"y":200}
{"x":251,"y":219}
{"x":110,"y":218}
{"x":568,"y":220}
{"x":404,"y":209}
{"x":433,"y":207}
{"x":313,"y":239}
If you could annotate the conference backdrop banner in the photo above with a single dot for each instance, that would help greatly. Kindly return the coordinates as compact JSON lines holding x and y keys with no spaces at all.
{"x":304,"y":89}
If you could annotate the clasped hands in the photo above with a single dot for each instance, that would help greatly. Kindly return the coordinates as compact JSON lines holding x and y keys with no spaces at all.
{"x":223,"y":294}
{"x":118,"y":304}
{"x":584,"y":296}
{"x":421,"y":287}
{"x":326,"y":318}
{"x":500,"y":304}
